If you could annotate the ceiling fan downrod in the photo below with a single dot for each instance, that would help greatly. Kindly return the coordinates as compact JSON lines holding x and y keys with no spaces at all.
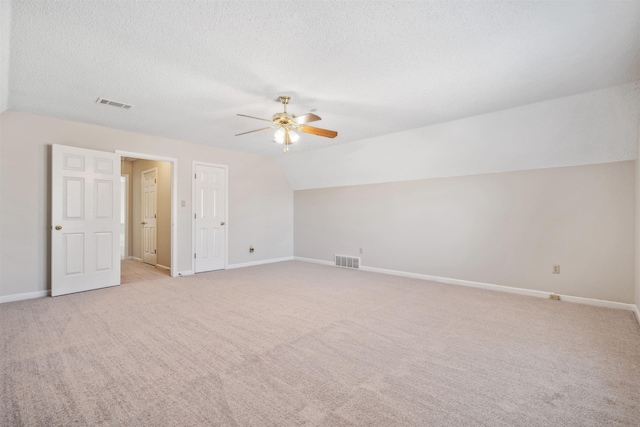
{"x":285,"y":100}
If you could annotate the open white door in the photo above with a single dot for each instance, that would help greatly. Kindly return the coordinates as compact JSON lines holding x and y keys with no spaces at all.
{"x":85,"y":209}
{"x":210,"y":191}
{"x":149,"y":216}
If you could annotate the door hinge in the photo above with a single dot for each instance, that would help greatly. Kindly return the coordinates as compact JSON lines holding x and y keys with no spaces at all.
{"x":155,"y":181}
{"x":194,"y":256}
{"x":195,"y":176}
{"x":195,"y":216}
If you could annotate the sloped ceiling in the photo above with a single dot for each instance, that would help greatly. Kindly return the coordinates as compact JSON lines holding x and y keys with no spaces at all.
{"x":367,"y":68}
{"x":592,"y":127}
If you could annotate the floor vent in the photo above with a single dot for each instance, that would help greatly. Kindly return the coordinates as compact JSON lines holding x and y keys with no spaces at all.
{"x":113,"y":103}
{"x":347,"y":261}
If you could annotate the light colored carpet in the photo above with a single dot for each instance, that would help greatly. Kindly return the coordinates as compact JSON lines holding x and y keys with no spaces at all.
{"x":135,"y":271}
{"x":298,"y":344}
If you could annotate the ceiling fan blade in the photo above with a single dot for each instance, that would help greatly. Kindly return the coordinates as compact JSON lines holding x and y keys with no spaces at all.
{"x":306,"y":118}
{"x":257,"y":118}
{"x":317,"y":131}
{"x":257,"y":130}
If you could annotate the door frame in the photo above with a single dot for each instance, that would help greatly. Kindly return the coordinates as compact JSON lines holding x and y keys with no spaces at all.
{"x":174,"y":200}
{"x":155,"y":169}
{"x":126,"y":212}
{"x":193,"y":211}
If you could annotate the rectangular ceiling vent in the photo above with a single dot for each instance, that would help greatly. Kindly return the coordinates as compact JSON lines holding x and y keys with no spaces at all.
{"x":347,"y":261}
{"x":113,"y":103}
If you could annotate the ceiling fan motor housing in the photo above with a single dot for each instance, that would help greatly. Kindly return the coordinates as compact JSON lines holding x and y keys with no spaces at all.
{"x":282,"y":118}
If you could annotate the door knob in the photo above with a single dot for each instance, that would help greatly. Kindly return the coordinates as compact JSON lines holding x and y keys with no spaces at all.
{"x":58,"y":227}
{"x":143,"y":223}
{"x":222,"y":223}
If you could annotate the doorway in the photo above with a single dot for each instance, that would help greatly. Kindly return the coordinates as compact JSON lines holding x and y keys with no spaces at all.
{"x":150,"y":240}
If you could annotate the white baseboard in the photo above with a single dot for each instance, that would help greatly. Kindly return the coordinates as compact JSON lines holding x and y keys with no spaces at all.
{"x":254,"y":263}
{"x":135,"y":258}
{"x":491,"y":287}
{"x":315,"y":261}
{"x":597,"y":302}
{"x":164,"y":267}
{"x":28,"y":295}
{"x":637,"y":311}
{"x":185,"y":273}
{"x":468,"y":283}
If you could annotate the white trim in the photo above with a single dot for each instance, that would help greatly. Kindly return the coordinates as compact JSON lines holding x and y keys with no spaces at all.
{"x":27,"y":295}
{"x":193,"y":212}
{"x":174,"y":199}
{"x":264,"y":261}
{"x":597,"y":302}
{"x":164,"y":267}
{"x":315,"y":261}
{"x":491,"y":287}
{"x":637,"y":311}
{"x":468,"y":283}
{"x":127,"y":218}
{"x":135,"y":258}
{"x":185,"y":273}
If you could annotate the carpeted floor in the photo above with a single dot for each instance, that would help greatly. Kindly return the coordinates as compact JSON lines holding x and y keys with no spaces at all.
{"x":135,"y":271}
{"x":298,"y":344}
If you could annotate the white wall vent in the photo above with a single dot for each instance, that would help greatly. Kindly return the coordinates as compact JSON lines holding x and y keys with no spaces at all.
{"x":113,"y":103}
{"x":347,"y":261}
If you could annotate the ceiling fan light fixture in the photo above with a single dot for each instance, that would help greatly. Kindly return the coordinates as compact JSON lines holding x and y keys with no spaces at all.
{"x":286,"y":123}
{"x":293,"y":136}
{"x":279,"y":136}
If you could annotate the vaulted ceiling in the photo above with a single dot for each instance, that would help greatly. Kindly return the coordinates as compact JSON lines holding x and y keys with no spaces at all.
{"x":367,"y":68}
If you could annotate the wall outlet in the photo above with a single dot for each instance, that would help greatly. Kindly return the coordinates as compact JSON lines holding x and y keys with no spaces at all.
{"x":556,"y":269}
{"x":554,"y":297}
{"x":251,"y":249}
{"x":360,"y":251}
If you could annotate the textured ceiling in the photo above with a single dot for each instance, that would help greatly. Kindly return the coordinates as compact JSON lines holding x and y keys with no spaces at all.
{"x":367,"y":68}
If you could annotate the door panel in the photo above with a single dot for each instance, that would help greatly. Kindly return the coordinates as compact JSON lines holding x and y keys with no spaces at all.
{"x":210,"y":217}
{"x":104,"y":199}
{"x":85,"y":201}
{"x":73,"y":197}
{"x":74,"y":253}
{"x":104,"y":249}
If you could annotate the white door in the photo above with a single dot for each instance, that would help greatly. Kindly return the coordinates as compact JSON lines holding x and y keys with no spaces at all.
{"x":85,"y":209}
{"x":149,"y":216}
{"x":210,"y":217}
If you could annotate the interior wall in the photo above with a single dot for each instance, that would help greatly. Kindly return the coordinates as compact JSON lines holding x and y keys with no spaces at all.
{"x":506,"y":229}
{"x":260,"y":198}
{"x":164,"y":209}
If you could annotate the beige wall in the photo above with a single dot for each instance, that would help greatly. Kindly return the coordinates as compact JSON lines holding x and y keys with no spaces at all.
{"x":505,"y":229}
{"x":260,"y":198}
{"x":164,"y":209}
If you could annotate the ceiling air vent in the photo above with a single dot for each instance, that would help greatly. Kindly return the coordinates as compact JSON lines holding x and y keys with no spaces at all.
{"x":347,"y":261}
{"x":113,"y":103}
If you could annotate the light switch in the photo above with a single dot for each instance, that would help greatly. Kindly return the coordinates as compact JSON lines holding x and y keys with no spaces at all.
{"x":183,"y":203}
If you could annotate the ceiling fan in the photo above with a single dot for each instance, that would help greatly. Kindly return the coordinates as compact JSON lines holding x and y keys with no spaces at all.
{"x":286,"y":125}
